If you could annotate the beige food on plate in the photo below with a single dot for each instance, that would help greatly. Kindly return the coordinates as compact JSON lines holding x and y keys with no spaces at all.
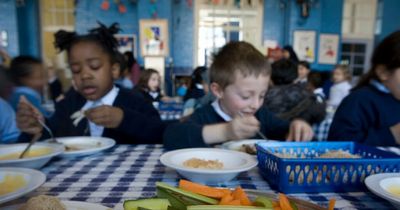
{"x":205,"y":164}
{"x":11,"y":183}
{"x":43,"y":202}
{"x":30,"y":154}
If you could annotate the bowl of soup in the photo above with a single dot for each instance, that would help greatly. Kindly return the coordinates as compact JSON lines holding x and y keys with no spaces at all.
{"x":37,"y":156}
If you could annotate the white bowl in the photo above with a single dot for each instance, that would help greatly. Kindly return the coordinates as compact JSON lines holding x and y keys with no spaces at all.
{"x":33,"y":162}
{"x":234,"y":163}
{"x":87,"y":145}
{"x":380,"y":184}
{"x":33,"y":178}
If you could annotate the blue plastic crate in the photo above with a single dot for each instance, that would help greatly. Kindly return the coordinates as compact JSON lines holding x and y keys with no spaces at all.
{"x":309,"y":174}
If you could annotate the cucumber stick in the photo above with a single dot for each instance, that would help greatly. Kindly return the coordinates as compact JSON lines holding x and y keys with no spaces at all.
{"x":223,"y":207}
{"x":151,"y":204}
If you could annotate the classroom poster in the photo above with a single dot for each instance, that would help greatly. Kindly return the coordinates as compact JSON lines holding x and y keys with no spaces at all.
{"x":304,"y":45}
{"x":328,"y":48}
{"x":127,"y":42}
{"x":154,"y":37}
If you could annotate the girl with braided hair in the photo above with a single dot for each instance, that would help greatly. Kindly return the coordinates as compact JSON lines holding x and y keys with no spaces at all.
{"x":97,"y":107}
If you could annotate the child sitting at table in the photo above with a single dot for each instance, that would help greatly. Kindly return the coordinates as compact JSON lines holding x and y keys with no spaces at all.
{"x":239,"y":78}
{"x":97,"y":107}
{"x":149,"y":86}
{"x":371,"y":113}
{"x":341,"y":85}
{"x":28,"y":75}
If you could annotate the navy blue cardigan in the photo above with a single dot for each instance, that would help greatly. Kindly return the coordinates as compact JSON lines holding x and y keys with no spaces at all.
{"x":189,"y":133}
{"x":366,"y":116}
{"x":141,"y":123}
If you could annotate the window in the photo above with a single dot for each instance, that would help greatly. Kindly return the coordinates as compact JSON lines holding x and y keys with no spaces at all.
{"x":356,"y":54}
{"x":218,"y":22}
{"x":358,"y":19}
{"x":55,"y":15}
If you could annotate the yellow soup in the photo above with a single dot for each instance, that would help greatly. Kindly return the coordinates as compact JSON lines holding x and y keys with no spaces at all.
{"x":394,"y":190}
{"x":11,"y":184}
{"x":29,"y":154}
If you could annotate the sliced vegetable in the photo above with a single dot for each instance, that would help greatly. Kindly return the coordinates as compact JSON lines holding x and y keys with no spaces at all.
{"x":332,"y":204}
{"x":218,"y":207}
{"x":239,"y":194}
{"x":202,"y":189}
{"x":284,"y":202}
{"x":264,"y":202}
{"x":151,"y":203}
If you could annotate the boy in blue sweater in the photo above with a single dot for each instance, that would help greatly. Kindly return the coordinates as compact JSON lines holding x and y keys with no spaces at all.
{"x":97,"y":107}
{"x":371,"y":113}
{"x":239,"y":79}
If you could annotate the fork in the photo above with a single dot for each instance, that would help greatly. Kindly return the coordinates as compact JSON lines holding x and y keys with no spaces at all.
{"x":53,"y":139}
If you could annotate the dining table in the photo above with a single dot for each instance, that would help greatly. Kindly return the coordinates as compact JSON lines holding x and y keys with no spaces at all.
{"x":131,"y":172}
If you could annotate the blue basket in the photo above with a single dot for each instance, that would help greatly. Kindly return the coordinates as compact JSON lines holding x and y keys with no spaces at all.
{"x":309,"y":174}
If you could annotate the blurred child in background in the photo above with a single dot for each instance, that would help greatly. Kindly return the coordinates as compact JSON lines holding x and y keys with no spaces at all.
{"x":341,"y":78}
{"x":303,"y":69}
{"x":122,"y":77}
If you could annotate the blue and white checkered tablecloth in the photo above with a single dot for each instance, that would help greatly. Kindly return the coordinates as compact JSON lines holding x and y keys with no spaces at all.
{"x":130,"y":172}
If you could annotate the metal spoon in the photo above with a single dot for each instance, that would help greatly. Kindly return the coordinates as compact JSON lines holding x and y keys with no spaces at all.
{"x":33,"y":140}
{"x":53,"y":139}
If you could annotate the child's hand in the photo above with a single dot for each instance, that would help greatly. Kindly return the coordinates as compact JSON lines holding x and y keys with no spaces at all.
{"x":27,"y":117}
{"x":243,"y":127}
{"x":107,"y":116}
{"x":300,"y":130}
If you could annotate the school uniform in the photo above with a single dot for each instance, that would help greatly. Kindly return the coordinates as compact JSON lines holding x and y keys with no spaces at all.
{"x":31,"y":95}
{"x":365,"y":116}
{"x":141,"y":123}
{"x":338,"y":92}
{"x":8,"y":127}
{"x":189,"y":133}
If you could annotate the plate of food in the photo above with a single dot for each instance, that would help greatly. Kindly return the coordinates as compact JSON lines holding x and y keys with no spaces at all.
{"x":84,"y":145}
{"x":386,"y":186}
{"x":16,"y":182}
{"x":51,"y":202}
{"x":208,"y":165}
{"x":245,"y":145}
{"x":193,"y":196}
{"x":36,"y":157}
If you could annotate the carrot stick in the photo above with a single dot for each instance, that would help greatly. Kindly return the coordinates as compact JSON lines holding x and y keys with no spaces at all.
{"x":284,"y":202}
{"x":239,"y":194}
{"x":332,"y":204}
{"x":235,"y":203}
{"x":226,"y":199}
{"x":202,"y":189}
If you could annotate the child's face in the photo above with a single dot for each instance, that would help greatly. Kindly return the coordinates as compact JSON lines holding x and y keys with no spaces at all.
{"x":245,"y":95}
{"x":154,"y":82}
{"x":92,"y":70}
{"x":302,"y":71}
{"x":392,"y":82}
{"x":36,"y":80}
{"x":338,"y":76}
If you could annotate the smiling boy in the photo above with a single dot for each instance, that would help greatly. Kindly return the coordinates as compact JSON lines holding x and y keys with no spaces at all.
{"x":239,"y":79}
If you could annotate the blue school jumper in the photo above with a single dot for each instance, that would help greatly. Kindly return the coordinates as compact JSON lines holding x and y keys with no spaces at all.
{"x":365,"y":116}
{"x":189,"y":133}
{"x":141,"y":123}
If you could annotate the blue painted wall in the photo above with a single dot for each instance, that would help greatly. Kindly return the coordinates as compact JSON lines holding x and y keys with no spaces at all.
{"x":8,"y":22}
{"x":390,"y":19}
{"x":29,"y":28}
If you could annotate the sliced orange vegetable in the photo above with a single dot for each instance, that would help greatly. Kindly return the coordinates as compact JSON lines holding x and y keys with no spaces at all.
{"x":202,"y":189}
{"x":275,"y":203}
{"x":226,"y":199}
{"x":235,"y":202}
{"x":332,"y":204}
{"x":239,"y":194}
{"x":284,"y":202}
{"x":277,"y":208}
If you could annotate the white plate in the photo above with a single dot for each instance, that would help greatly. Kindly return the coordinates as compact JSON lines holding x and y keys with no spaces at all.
{"x":301,"y":204}
{"x":234,"y":163}
{"x":71,"y":205}
{"x":88,"y":145}
{"x":33,"y":178}
{"x":379,"y":184}
{"x":237,"y":145}
{"x":33,"y":162}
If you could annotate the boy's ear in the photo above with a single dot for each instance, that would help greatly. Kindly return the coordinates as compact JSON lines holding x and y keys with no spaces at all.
{"x":382,"y":73}
{"x":216,"y":90}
